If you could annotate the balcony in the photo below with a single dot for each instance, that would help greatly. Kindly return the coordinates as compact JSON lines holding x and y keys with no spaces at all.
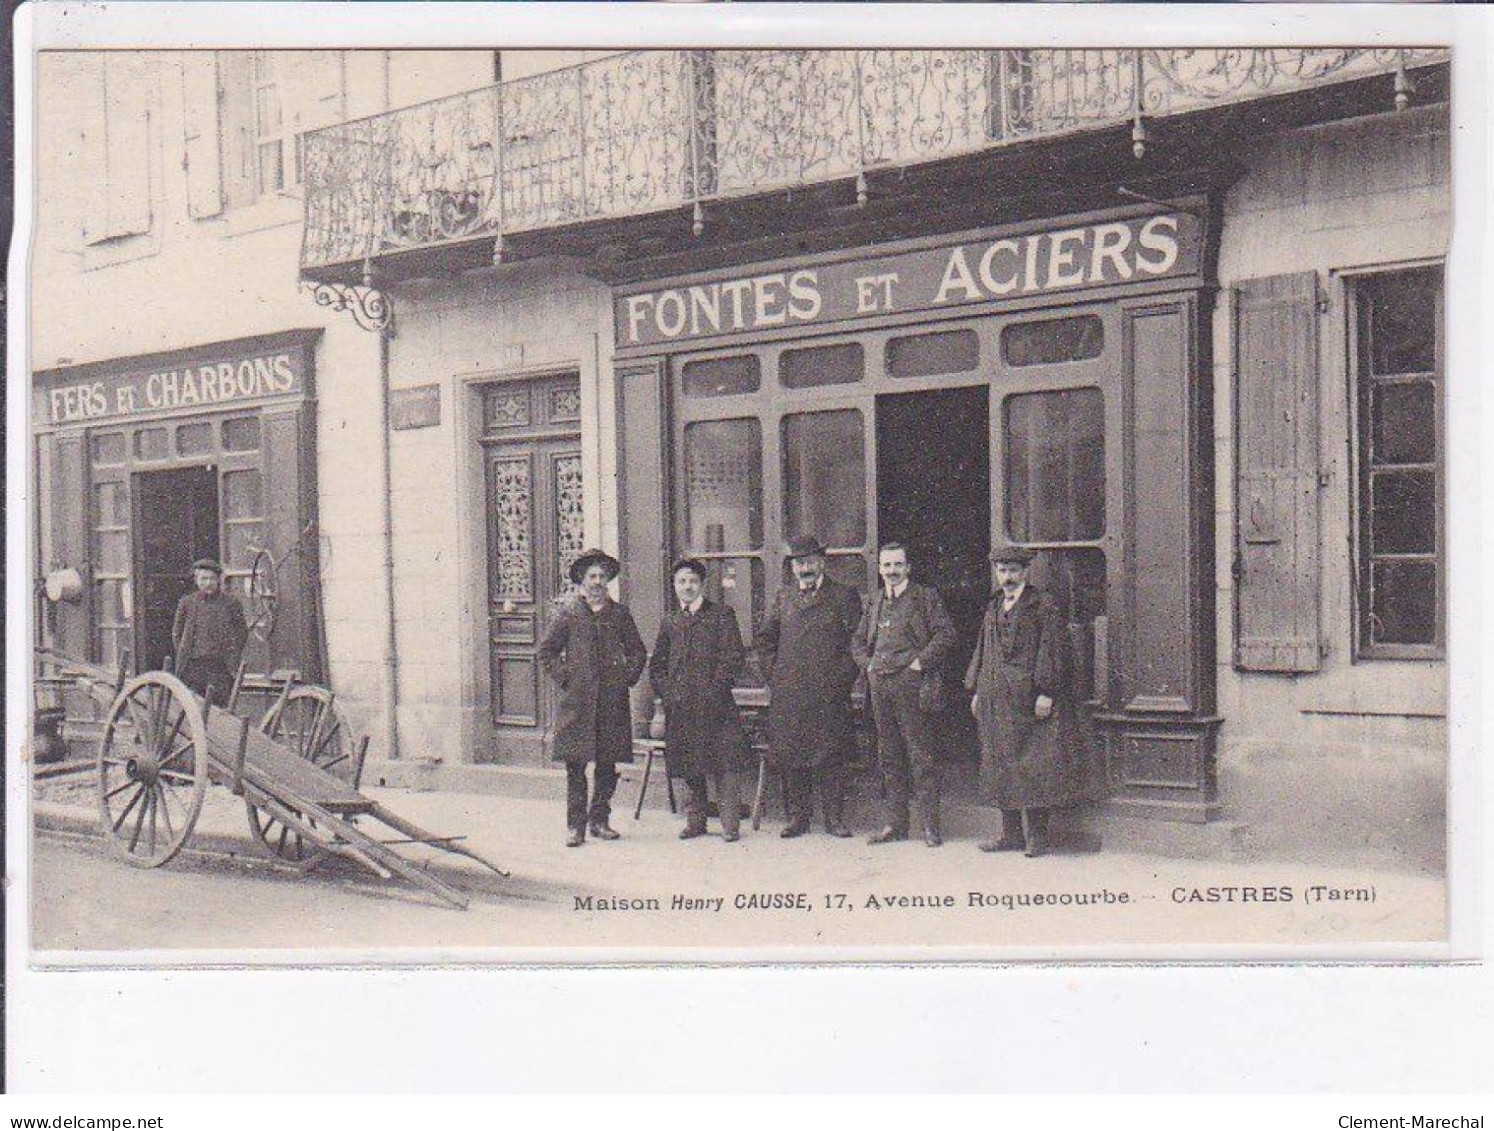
{"x":650,"y":132}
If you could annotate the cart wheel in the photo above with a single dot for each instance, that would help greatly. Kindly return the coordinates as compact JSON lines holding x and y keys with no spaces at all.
{"x":264,"y":596}
{"x":310,"y":725}
{"x":153,"y":769}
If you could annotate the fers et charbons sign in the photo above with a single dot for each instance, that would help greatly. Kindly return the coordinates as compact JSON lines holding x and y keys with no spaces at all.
{"x":1022,"y":265}
{"x":209,"y":377}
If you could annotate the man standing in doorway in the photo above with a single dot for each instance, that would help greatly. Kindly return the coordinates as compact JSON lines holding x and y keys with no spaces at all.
{"x":805,"y":648}
{"x":208,"y":633}
{"x":902,"y":641}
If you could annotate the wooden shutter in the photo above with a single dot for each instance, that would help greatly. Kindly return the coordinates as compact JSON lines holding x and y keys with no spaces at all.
{"x":1277,"y":565}
{"x":91,"y":103}
{"x":117,"y":138}
{"x":68,"y":502}
{"x":289,"y":445}
{"x":201,"y":132}
{"x":236,"y":121}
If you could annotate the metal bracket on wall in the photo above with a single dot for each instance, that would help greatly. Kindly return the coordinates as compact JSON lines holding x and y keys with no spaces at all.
{"x":369,"y":306}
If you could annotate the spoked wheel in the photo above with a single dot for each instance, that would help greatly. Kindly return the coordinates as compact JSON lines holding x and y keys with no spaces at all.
{"x":310,"y":725}
{"x":153,"y":769}
{"x":264,"y":596}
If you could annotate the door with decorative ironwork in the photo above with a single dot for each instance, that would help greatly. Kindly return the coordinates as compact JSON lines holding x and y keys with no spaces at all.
{"x":532,"y":456}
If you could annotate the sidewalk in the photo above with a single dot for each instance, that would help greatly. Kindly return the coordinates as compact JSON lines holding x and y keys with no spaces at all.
{"x":650,"y":890}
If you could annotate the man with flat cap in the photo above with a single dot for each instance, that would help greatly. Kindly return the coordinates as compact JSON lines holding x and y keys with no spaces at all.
{"x":208,"y":633}
{"x":1031,"y":752}
{"x":804,"y":644}
{"x":902,"y":642}
{"x":698,"y":655}
{"x":592,"y":652}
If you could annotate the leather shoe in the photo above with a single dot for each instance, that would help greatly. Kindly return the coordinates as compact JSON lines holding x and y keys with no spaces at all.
{"x":887,"y":835}
{"x":931,"y":837}
{"x":839,"y":830}
{"x":1037,"y":844}
{"x":1005,"y":844}
{"x":690,"y":832}
{"x":793,"y":829}
{"x":575,"y":838}
{"x":603,"y":831}
{"x":731,"y":837}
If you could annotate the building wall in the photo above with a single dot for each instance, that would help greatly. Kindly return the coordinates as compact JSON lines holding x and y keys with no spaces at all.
{"x":521,"y":321}
{"x":1360,"y":746}
{"x":190,"y":281}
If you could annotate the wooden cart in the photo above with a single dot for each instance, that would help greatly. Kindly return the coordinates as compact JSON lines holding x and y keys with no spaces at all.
{"x":298,"y":772}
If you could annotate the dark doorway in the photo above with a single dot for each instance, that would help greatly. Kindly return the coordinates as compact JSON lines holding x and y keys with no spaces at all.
{"x":934,"y":494}
{"x":176,"y":522}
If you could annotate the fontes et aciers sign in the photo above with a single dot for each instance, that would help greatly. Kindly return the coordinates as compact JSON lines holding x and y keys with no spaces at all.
{"x":1026,"y":264}
{"x":212,"y":377}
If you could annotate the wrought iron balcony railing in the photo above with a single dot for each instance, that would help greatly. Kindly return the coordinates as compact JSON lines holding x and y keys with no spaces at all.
{"x":650,"y":131}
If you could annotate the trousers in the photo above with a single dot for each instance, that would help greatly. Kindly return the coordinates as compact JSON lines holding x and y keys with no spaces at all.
{"x":905,"y":749}
{"x":800,"y":786}
{"x":577,"y":813}
{"x":202,"y":674}
{"x":728,"y":799}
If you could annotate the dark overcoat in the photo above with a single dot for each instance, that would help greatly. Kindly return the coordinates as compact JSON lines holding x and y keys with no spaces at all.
{"x":593,"y":658}
{"x":1026,"y":762}
{"x":804,"y":644}
{"x":694,"y":662}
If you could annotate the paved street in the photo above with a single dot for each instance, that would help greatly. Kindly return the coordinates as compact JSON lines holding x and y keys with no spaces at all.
{"x":651,"y":890}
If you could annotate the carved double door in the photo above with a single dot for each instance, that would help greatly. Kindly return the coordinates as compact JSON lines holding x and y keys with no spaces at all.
{"x":535,"y":501}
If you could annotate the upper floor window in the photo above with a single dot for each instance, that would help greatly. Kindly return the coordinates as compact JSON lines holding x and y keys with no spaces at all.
{"x":277,"y":164}
{"x":1398,"y":348}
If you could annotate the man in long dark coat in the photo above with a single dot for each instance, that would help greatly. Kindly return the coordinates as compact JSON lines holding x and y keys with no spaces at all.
{"x":208,"y":633}
{"x":1031,"y":751}
{"x":804,"y":644}
{"x":698,"y":654}
{"x":902,"y":641}
{"x":593,"y":654}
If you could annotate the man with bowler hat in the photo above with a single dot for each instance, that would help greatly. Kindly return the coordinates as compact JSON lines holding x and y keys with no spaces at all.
{"x":804,"y":644}
{"x":208,"y":633}
{"x":698,"y":654}
{"x":1030,"y":747}
{"x":902,"y":641}
{"x":592,"y":652}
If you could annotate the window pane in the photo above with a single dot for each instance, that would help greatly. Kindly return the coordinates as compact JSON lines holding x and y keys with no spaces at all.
{"x":242,"y":495}
{"x":1402,"y":319}
{"x":1403,"y":512}
{"x":108,"y":448}
{"x":113,"y":602}
{"x":242,"y":541}
{"x":721,"y":376}
{"x":823,"y":365}
{"x":1055,"y":466}
{"x":824,"y":477}
{"x":724,"y":484}
{"x":266,"y":109}
{"x":241,"y":434}
{"x":194,"y":439}
{"x":1404,"y":422}
{"x":111,"y":504}
{"x":1053,"y":340}
{"x":1404,"y":603}
{"x":152,"y":443}
{"x":113,"y":551}
{"x":927,"y":355}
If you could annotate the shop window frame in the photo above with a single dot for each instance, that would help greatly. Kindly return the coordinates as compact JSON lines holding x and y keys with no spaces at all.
{"x":1361,"y":461}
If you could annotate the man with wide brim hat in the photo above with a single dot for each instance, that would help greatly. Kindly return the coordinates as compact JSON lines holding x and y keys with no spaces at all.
{"x":208,"y":633}
{"x":804,"y":644}
{"x":593,"y":654}
{"x":1031,"y":750}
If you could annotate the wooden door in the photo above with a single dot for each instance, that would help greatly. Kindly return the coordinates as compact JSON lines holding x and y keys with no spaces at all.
{"x":535,"y":530}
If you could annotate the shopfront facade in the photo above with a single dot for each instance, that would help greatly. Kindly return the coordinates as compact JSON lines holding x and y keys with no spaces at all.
{"x":1034,"y":385}
{"x":150,"y":463}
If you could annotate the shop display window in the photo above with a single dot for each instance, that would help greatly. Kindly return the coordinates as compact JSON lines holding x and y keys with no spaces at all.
{"x":1051,"y":341}
{"x":721,"y":376}
{"x":824,"y":476}
{"x":931,"y":355}
{"x":841,"y":364}
{"x":1055,"y":466}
